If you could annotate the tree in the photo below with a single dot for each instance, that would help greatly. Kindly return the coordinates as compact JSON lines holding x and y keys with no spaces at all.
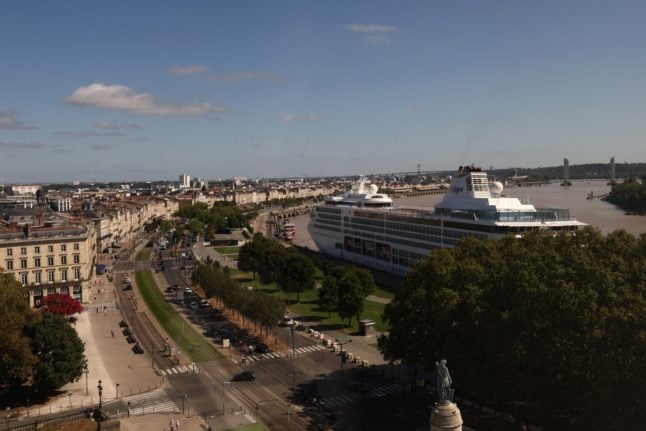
{"x":350,"y":300}
{"x":250,"y":254}
{"x":59,"y":303}
{"x":16,"y":358}
{"x":295,"y":273}
{"x":329,"y":294}
{"x":60,"y":353}
{"x":344,"y":290}
{"x":555,"y":323}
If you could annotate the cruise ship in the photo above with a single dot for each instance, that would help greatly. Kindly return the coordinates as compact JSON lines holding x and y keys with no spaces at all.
{"x":363,"y":226}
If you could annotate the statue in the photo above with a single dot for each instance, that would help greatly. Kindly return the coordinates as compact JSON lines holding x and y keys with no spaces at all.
{"x":444,"y":391}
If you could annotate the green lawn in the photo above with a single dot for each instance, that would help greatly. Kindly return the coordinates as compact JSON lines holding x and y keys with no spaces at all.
{"x":181,"y":332}
{"x":227,"y":250}
{"x":382,"y":293}
{"x":143,"y":255}
{"x":308,"y":307}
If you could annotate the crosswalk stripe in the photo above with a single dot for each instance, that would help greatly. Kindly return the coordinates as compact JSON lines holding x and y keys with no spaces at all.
{"x":332,"y":402}
{"x":272,"y":355}
{"x":182,"y":369}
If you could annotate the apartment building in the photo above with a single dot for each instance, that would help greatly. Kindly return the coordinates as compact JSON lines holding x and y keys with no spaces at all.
{"x":49,"y":258}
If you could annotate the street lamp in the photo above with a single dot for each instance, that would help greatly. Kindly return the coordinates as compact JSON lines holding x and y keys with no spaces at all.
{"x":152,"y":354}
{"x":224,"y":383}
{"x":100,"y":388}
{"x":117,"y":390}
{"x":86,"y":387}
{"x":341,"y":344}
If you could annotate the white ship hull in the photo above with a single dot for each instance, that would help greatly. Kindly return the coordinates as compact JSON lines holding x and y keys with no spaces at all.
{"x":366,"y":230}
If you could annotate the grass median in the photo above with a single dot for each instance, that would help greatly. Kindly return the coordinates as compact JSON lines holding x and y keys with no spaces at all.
{"x":188,"y":340}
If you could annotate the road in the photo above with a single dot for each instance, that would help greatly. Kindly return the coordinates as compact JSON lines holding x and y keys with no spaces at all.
{"x":307,"y":391}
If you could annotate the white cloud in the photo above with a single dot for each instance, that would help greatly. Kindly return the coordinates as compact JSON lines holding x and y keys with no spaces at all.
{"x":111,"y":125}
{"x":88,"y":134}
{"x":22,"y":145}
{"x":8,"y":121}
{"x":188,"y":70}
{"x":371,"y":28}
{"x":240,"y":76}
{"x":301,"y":118}
{"x":122,"y":98}
{"x":101,"y":147}
{"x":373,"y":33}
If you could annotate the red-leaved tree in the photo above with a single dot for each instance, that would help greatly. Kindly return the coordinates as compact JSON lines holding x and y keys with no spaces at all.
{"x":59,"y":303}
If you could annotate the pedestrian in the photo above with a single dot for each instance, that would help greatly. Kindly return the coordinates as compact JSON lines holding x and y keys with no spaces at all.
{"x":171,"y":424}
{"x":176,"y":424}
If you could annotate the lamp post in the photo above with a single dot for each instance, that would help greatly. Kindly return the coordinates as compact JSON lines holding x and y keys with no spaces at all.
{"x":293,"y":373}
{"x":117,"y":390}
{"x":152,"y":354}
{"x":87,"y":392}
{"x":341,"y":344}
{"x":100,"y":388}
{"x":224,"y":383}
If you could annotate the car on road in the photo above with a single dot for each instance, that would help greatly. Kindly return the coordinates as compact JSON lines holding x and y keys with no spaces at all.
{"x":188,"y":290}
{"x":126,"y":279}
{"x":204,"y":304}
{"x":169,"y":290}
{"x":245,"y":376}
{"x":127,"y":287}
{"x":262,"y":348}
{"x":194,"y":306}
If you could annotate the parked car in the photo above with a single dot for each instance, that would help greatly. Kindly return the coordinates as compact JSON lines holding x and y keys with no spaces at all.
{"x":188,"y":290}
{"x":194,"y":306}
{"x":127,"y":287}
{"x":204,"y":304}
{"x":245,"y":376}
{"x":169,"y":290}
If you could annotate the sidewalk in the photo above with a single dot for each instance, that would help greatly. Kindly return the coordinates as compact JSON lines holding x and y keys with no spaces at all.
{"x":110,"y":359}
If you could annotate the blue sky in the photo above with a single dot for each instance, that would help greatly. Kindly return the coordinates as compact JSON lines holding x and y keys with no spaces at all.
{"x":145,"y":90}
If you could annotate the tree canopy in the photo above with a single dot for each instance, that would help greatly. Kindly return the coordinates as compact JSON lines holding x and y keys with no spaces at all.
{"x":59,"y":350}
{"x":629,"y":195}
{"x":16,"y":358}
{"x":295,"y":273}
{"x":344,"y":290}
{"x":556,"y":323}
{"x":59,"y":303}
{"x":257,"y":306}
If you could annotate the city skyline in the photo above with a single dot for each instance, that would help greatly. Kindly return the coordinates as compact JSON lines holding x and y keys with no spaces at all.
{"x":106,"y":92}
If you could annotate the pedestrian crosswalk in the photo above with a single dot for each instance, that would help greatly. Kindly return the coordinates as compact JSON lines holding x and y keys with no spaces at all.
{"x":277,"y":355}
{"x":155,"y":401}
{"x":351,"y":397}
{"x":180,"y":369}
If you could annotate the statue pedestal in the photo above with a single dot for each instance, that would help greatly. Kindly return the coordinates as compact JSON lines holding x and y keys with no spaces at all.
{"x":446,"y":416}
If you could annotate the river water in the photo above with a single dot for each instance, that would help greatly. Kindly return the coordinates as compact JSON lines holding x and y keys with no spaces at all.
{"x":596,"y":212}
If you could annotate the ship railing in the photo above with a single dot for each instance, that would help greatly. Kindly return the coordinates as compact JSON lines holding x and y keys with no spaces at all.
{"x":540,"y":215}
